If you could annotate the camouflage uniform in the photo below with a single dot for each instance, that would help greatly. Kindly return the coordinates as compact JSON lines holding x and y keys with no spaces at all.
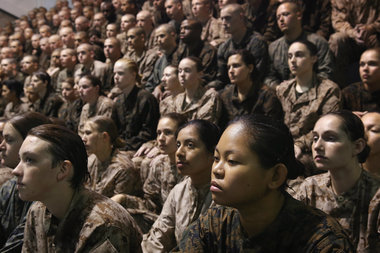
{"x":254,"y":43}
{"x":48,"y":105}
{"x":259,"y":101}
{"x":351,"y":208}
{"x":167,"y":105}
{"x":117,"y":175}
{"x":207,"y":105}
{"x":182,"y":207}
{"x":357,"y":98}
{"x":205,"y":52}
{"x":11,"y":110}
{"x":5,"y":174}
{"x":297,"y":229}
{"x":145,"y":62}
{"x":98,"y":69}
{"x":103,"y":106}
{"x":136,"y":117}
{"x":301,"y":112}
{"x":12,"y":217}
{"x":278,"y":53}
{"x":213,"y":30}
{"x":93,"y":223}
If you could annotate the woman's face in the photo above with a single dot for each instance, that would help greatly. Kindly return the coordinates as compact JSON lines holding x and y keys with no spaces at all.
{"x":299,"y":59}
{"x":238,"y":71}
{"x":123,"y":76}
{"x":332,"y":148}
{"x":187,"y":73}
{"x":371,"y":122}
{"x":10,"y":146}
{"x":169,"y":78}
{"x":92,"y":138}
{"x":87,"y":91}
{"x":6,"y":93}
{"x":192,"y":156}
{"x":237,"y":177}
{"x":166,"y":135}
{"x":37,"y":84}
{"x":68,"y":92}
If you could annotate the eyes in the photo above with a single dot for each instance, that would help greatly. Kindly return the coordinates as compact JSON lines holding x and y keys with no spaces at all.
{"x":189,"y":145}
{"x":230,"y":160}
{"x":327,"y":138}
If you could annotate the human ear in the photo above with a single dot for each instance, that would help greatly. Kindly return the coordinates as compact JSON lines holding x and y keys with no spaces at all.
{"x":359,"y":146}
{"x":65,"y":170}
{"x":106,"y":136}
{"x":279,"y":176}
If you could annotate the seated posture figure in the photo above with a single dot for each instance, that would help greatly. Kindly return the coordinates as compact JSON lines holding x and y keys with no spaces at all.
{"x":111,"y":171}
{"x":346,"y":192}
{"x":365,"y":95}
{"x":371,"y":122}
{"x":196,"y":141}
{"x":305,"y":98}
{"x":256,"y":214}
{"x":67,"y":217}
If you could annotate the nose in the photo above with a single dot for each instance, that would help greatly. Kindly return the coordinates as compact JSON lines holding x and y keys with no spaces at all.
{"x":18,"y":170}
{"x":180,"y":152}
{"x":2,"y":145}
{"x":161,"y":137}
{"x":317,"y":144}
{"x":217,"y":169}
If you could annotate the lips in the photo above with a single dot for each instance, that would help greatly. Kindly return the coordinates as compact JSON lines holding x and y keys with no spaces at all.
{"x":319,"y":158}
{"x":215,"y":187}
{"x":181,"y":164}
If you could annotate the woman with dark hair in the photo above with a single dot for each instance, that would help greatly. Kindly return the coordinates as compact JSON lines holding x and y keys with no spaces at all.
{"x":346,"y":192}
{"x":48,"y":102}
{"x":246,"y":94}
{"x":111,"y":171}
{"x":252,"y":162}
{"x":196,"y":102}
{"x":12,"y":208}
{"x":196,"y":141}
{"x":305,"y":97}
{"x":11,"y":92}
{"x":95,"y":103}
{"x":160,"y":174}
{"x":371,"y":122}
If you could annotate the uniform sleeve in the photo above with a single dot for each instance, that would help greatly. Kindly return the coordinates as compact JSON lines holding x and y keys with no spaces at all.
{"x":161,"y":237}
{"x":340,"y":16}
{"x":192,"y":238}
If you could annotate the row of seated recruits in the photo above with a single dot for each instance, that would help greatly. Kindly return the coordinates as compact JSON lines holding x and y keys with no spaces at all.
{"x":189,"y":65}
{"x":143,"y":186}
{"x":229,"y":192}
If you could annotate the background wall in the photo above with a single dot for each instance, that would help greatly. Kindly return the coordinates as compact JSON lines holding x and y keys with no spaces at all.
{"x":21,"y":7}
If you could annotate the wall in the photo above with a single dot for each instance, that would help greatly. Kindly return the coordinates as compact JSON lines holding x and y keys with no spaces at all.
{"x":21,"y":7}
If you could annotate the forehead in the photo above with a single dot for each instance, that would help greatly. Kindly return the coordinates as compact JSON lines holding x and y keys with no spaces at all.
{"x":371,"y":118}
{"x":328,"y":123}
{"x":120,"y":66}
{"x":370,"y":55}
{"x":186,"y":63}
{"x":297,"y":46}
{"x":34,"y":145}
{"x":83,"y":48}
{"x":10,"y":130}
{"x":189,"y":132}
{"x":235,"y":58}
{"x":169,"y":70}
{"x":285,"y":7}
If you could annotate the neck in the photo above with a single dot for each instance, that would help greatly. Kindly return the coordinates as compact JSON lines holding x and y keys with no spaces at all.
{"x":203,"y":20}
{"x":176,"y":90}
{"x":372,"y":164}
{"x":238,"y":36}
{"x":190,"y":92}
{"x":88,"y":65}
{"x":293,"y":35}
{"x":59,"y":206}
{"x":244,"y":88}
{"x":372,"y":87}
{"x":179,"y":18}
{"x":172,"y":158}
{"x":304,"y":81}
{"x":169,"y":51}
{"x":201,"y":179}
{"x":128,"y":89}
{"x":42,"y":93}
{"x":139,"y":51}
{"x":254,"y":219}
{"x":105,"y":153}
{"x":345,"y":178}
{"x":93,"y":100}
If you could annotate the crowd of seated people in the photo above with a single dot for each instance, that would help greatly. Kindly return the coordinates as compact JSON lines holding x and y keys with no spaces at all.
{"x":225,"y":125}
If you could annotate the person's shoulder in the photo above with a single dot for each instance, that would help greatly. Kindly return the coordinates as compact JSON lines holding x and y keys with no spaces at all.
{"x":328,"y":84}
{"x":353,"y":88}
{"x":285,"y":85}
